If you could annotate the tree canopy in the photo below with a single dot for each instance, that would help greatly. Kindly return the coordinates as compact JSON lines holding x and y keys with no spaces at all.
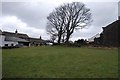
{"x":67,"y":18}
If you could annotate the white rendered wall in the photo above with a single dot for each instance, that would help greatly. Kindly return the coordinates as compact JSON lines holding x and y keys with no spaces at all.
{"x":3,"y":42}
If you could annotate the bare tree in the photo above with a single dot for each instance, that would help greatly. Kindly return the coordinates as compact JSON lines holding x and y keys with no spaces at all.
{"x":55,"y":25}
{"x":67,"y":18}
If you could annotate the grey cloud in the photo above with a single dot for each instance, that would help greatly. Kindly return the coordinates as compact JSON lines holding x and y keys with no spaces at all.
{"x":119,"y":8}
{"x":35,"y":15}
{"x":103,"y":12}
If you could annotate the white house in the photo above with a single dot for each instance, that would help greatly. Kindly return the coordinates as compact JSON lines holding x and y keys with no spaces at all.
{"x":6,"y":43}
{"x":8,"y":39}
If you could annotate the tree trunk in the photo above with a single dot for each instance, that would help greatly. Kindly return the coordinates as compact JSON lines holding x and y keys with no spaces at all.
{"x":59,"y":39}
{"x":60,"y":35}
{"x":67,"y":38}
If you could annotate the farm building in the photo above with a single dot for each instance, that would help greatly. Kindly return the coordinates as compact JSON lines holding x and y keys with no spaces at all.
{"x":18,"y":39}
{"x":92,"y":38}
{"x":110,"y":34}
{"x":21,"y":42}
{"x":3,"y":42}
{"x":9,"y":40}
{"x":36,"y":41}
{"x":16,"y":34}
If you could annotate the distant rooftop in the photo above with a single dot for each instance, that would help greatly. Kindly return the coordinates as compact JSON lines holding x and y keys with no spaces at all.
{"x":92,"y":38}
{"x":10,"y":34}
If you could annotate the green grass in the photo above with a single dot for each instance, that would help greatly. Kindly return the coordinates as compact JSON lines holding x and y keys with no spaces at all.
{"x":60,"y":62}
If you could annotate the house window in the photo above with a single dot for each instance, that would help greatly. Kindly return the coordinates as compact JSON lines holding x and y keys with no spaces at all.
{"x":6,"y":44}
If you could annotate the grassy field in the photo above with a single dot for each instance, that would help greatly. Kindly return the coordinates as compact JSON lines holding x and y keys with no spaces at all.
{"x":60,"y":62}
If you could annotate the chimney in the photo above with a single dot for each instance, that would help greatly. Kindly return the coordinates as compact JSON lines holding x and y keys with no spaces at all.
{"x":16,"y":31}
{"x":40,"y":37}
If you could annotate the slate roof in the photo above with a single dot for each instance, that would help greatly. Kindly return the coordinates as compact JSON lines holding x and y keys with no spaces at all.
{"x":19,"y":37}
{"x":15,"y":39}
{"x":37,"y":40}
{"x":113,"y":24}
{"x":10,"y":34}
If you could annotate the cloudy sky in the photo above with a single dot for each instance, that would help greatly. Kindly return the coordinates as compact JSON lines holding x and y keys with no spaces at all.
{"x":29,"y":16}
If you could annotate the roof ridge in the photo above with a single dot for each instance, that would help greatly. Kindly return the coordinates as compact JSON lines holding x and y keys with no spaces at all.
{"x":13,"y":32}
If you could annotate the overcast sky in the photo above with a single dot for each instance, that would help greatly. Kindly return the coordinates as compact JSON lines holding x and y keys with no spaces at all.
{"x":29,"y":16}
